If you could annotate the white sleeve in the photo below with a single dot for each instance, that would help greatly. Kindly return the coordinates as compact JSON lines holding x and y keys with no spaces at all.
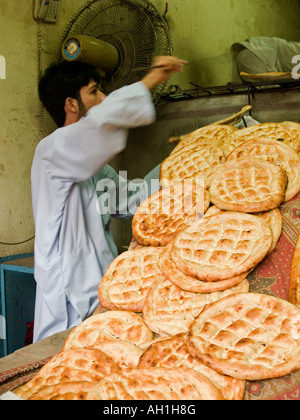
{"x":78,"y":151}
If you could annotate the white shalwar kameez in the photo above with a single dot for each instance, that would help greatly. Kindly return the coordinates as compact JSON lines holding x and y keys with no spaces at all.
{"x":72,"y":246}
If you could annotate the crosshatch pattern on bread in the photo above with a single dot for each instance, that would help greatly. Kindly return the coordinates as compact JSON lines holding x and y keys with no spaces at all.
{"x":286,"y":132}
{"x":173,"y":353}
{"x":277,"y":153}
{"x":69,"y":375}
{"x":127,"y":280}
{"x":179,"y":321}
{"x":167,"y":212}
{"x":191,"y":161}
{"x":156,"y":384}
{"x":248,"y":336}
{"x":222,"y":246}
{"x":248,"y":185}
{"x":190,"y":283}
{"x":208,"y":135}
{"x":110,"y":325}
{"x":169,"y":310}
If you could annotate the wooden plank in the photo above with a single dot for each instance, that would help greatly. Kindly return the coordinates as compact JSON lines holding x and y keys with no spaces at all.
{"x":22,"y":262}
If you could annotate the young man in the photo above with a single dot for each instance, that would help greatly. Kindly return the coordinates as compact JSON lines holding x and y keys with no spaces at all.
{"x":73,"y":245}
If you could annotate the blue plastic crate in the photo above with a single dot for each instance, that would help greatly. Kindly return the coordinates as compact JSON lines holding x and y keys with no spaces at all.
{"x":17,"y":301}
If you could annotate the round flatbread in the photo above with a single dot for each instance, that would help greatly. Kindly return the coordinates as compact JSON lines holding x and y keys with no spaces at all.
{"x":192,"y":284}
{"x":169,"y":310}
{"x":192,"y":161}
{"x":273,"y":217}
{"x":276,"y":153}
{"x":128,"y":278}
{"x":206,"y":136}
{"x":173,"y":353}
{"x":167,"y":212}
{"x":248,"y":336}
{"x":222,"y":246}
{"x":110,"y":325}
{"x":248,"y":185}
{"x":155,"y":384}
{"x":286,"y":132}
{"x":69,"y":375}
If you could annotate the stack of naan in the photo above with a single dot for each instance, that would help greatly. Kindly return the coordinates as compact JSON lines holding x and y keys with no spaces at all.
{"x":178,"y":321}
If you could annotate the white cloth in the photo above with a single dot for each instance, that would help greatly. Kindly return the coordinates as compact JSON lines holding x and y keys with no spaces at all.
{"x":71,"y":249}
{"x":265,"y":54}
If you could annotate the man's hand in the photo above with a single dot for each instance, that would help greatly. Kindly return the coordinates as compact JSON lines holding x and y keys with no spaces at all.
{"x":167,"y":66}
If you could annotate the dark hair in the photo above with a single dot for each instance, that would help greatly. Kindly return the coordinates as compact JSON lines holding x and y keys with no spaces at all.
{"x":62,"y":81}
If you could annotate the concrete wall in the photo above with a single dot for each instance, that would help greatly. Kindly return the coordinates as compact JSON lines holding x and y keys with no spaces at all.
{"x":202,"y":32}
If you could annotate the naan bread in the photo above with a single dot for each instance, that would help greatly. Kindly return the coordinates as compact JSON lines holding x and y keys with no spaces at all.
{"x":123,"y":353}
{"x":208,"y":135}
{"x":69,"y":375}
{"x":286,"y":132}
{"x":249,"y":336}
{"x":192,"y":161}
{"x":173,"y":353}
{"x":155,"y":384}
{"x":167,"y":212}
{"x":128,"y":278}
{"x":190,"y":283}
{"x":248,"y":185}
{"x":110,"y":325}
{"x":169,"y":310}
{"x":222,"y":246}
{"x":273,"y":217}
{"x":274,"y":152}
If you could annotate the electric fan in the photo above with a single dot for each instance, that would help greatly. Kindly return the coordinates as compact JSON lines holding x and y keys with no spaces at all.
{"x":119,"y":37}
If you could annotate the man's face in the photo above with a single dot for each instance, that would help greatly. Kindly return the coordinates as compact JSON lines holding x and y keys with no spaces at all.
{"x":90,"y":96}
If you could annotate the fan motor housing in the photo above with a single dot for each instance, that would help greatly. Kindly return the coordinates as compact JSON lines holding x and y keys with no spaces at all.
{"x":120,"y":38}
{"x":91,"y":50}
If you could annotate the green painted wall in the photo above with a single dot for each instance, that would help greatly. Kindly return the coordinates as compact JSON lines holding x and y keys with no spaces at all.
{"x":202,"y":32}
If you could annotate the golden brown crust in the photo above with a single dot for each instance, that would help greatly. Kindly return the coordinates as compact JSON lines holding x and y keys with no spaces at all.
{"x":222,"y":246}
{"x":206,"y":136}
{"x":192,"y":284}
{"x":69,"y":375}
{"x":273,"y":217}
{"x":294,"y":291}
{"x":286,"y":132}
{"x":123,"y":353}
{"x":128,"y":278}
{"x":110,"y":325}
{"x":248,"y":336}
{"x":274,"y":152}
{"x":248,"y":185}
{"x":77,"y":391}
{"x":155,"y":384}
{"x":192,"y":161}
{"x":173,"y":353}
{"x":169,"y":310}
{"x":160,"y":217}
{"x":272,"y":75}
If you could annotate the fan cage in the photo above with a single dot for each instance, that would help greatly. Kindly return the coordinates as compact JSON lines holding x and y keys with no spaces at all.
{"x":134,"y":28}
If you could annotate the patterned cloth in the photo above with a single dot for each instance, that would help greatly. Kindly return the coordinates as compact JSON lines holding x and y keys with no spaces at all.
{"x":272,"y":277}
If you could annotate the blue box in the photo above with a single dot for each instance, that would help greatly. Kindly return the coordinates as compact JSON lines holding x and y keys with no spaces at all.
{"x":17,"y":301}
